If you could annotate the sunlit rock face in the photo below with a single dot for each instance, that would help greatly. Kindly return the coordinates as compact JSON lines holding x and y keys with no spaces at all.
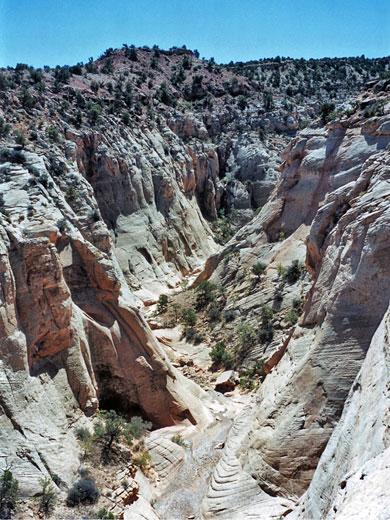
{"x":72,"y":336}
{"x":335,"y":183}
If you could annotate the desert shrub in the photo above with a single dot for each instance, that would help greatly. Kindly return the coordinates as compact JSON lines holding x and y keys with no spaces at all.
{"x":4,"y":128}
{"x":53,"y":134}
{"x":220,"y":356}
{"x":20,"y":138}
{"x":105,"y":515}
{"x":137,"y":427}
{"x":3,"y":82}
{"x":248,"y":380}
{"x":175,"y":310}
{"x":94,"y":113}
{"x":281,"y":270}
{"x":91,"y":66}
{"x":47,"y":498}
{"x":62,"y":226}
{"x":292,"y":317}
{"x":112,"y":428}
{"x":165,"y":96}
{"x":71,"y":193}
{"x":178,"y":439}
{"x":94,"y":86}
{"x":214,"y":312}
{"x":293,"y":272}
{"x":13,"y":156}
{"x":8,"y":492}
{"x":143,"y":460}
{"x":327,"y":112}
{"x":228,"y":315}
{"x":84,"y":491}
{"x":268,"y":100}
{"x":188,"y":317}
{"x":76,"y":69}
{"x":266,"y":315}
{"x":62,"y":74}
{"x":83,"y":433}
{"x":247,"y":335}
{"x":265,"y":334}
{"x":242,"y":103}
{"x":125,"y":118}
{"x":376,"y":109}
{"x":94,"y":215}
{"x":190,"y":334}
{"x":108,"y":66}
{"x":26,"y":99}
{"x":206,"y":292}
{"x":162,"y":303}
{"x":258,"y":269}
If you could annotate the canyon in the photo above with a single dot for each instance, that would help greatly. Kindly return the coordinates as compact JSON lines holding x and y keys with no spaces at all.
{"x":148,"y":173}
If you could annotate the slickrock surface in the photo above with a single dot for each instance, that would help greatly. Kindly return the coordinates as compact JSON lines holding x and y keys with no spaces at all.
{"x":71,"y":333}
{"x":351,"y":480}
{"x":338,"y":183}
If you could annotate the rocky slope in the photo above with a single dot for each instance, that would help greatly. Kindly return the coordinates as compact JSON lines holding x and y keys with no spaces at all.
{"x":72,"y":337}
{"x":334,"y":190}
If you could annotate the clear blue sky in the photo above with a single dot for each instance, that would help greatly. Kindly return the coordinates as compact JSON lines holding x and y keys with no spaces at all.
{"x":51,"y":32}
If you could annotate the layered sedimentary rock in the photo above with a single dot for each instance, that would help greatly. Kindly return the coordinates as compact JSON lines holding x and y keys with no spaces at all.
{"x":351,"y":478}
{"x":336,"y":182}
{"x":71,"y":336}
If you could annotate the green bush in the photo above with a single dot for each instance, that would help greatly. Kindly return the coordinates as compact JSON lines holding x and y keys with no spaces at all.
{"x":62,"y":74}
{"x":327,"y":112}
{"x":247,"y":335}
{"x":108,"y":66}
{"x":4,"y":128}
{"x":20,"y":138}
{"x":220,"y":356}
{"x":143,"y":460}
{"x":188,"y":317}
{"x":258,"y":269}
{"x":178,"y":439}
{"x":84,"y":491}
{"x":94,"y":114}
{"x":47,"y":498}
{"x":229,"y":315}
{"x":266,"y":315}
{"x":165,"y":96}
{"x":281,"y":270}
{"x":266,"y":334}
{"x":71,"y":193}
{"x":112,"y":428}
{"x":103,"y":514}
{"x":162,"y":303}
{"x":293,"y":272}
{"x":53,"y":134}
{"x":206,"y":292}
{"x":8,"y":492}
{"x":214,"y":312}
{"x":292,"y":317}
{"x":190,"y":334}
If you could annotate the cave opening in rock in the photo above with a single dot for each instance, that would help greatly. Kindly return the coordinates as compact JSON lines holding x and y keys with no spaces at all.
{"x":111,"y":400}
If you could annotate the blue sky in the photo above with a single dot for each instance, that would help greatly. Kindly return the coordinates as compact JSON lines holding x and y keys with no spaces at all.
{"x":51,"y":32}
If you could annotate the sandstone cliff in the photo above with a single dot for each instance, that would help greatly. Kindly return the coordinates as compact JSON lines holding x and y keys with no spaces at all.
{"x":71,"y":337}
{"x":334,"y":185}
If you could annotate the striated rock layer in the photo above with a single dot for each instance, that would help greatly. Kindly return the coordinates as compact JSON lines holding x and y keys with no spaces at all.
{"x":337,"y":182}
{"x":71,"y":335}
{"x":351,"y":477}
